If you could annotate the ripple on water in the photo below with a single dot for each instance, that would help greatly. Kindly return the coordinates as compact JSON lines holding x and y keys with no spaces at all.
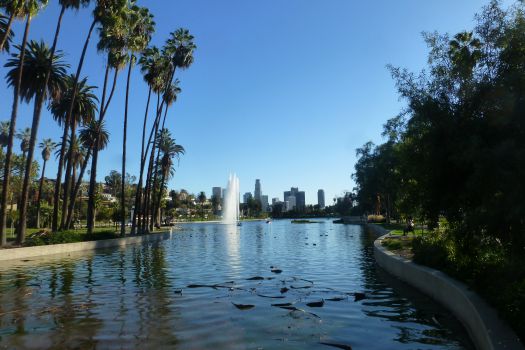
{"x":138,"y":296}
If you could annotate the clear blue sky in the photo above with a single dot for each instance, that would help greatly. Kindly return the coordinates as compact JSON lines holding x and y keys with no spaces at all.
{"x":281,"y":90}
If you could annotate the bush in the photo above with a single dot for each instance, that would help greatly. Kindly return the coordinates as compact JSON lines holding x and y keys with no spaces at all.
{"x":392,"y":244}
{"x":432,"y":250}
{"x":45,"y":237}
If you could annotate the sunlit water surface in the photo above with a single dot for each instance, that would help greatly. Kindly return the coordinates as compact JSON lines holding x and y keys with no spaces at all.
{"x":138,"y":297}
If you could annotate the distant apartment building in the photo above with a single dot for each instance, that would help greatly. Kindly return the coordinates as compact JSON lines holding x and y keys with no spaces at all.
{"x":257,"y":193}
{"x":320,"y":199}
{"x":275,"y":200}
{"x":298,"y":202}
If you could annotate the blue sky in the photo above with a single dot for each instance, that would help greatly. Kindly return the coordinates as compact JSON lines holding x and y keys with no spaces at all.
{"x":281,"y":90}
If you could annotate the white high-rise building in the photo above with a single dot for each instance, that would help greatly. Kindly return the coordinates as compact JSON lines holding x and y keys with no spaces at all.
{"x":320,"y":199}
{"x":291,"y":202}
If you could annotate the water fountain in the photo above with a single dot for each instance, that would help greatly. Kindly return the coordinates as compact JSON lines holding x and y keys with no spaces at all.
{"x":230,"y":213}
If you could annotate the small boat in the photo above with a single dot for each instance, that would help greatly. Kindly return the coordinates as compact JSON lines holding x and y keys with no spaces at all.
{"x":268,"y":221}
{"x":239,"y":223}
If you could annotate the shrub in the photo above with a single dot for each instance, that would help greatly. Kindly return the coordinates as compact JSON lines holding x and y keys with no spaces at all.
{"x":432,"y":250}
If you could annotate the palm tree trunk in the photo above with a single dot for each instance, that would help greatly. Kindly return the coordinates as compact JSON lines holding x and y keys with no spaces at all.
{"x":93,"y":176}
{"x":138,"y":194}
{"x":40,"y":194}
{"x":161,"y":190}
{"x":67,"y":177}
{"x":58,"y":183}
{"x":8,"y":29}
{"x":123,"y":182}
{"x":149,"y":184}
{"x":74,"y":193}
{"x":27,"y":175}
{"x":156,"y":207}
{"x":9,"y":153}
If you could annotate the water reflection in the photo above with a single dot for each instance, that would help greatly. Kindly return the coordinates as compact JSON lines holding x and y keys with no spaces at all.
{"x":138,"y":297}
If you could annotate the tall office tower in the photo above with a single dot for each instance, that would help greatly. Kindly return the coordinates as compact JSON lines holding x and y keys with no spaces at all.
{"x":216,"y":192}
{"x":257,"y":193}
{"x":246,"y":197}
{"x":292,"y":202}
{"x":299,"y":201}
{"x":320,"y":199}
{"x":264,"y":203}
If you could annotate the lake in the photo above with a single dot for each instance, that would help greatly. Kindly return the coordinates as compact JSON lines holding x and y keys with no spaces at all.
{"x":259,"y":286}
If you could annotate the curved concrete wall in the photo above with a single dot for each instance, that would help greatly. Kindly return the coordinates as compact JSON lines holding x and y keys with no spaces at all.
{"x":32,"y":252}
{"x":486,"y":329}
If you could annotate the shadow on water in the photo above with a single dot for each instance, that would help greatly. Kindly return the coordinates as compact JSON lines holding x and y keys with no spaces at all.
{"x":277,"y":285}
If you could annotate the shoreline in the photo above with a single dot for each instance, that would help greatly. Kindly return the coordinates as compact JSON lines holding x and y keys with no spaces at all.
{"x":486,"y":330}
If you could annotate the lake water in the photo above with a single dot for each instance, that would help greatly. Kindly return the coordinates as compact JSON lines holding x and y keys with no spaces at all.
{"x":212,"y":287}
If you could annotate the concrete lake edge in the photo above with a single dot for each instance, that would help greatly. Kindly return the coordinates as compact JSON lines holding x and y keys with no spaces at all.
{"x":486,"y":330}
{"x":52,"y":249}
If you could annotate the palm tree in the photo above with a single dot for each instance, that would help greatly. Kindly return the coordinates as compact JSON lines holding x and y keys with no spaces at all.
{"x":94,"y":131}
{"x":111,"y":42}
{"x":101,"y":11}
{"x":43,"y":78}
{"x":65,"y":4}
{"x":170,"y":149}
{"x":24,"y":135}
{"x":84,"y":110}
{"x":5,"y":32}
{"x":152,"y":71}
{"x":28,"y":8}
{"x":177,"y":53}
{"x":14,"y":10}
{"x":140,"y":27}
{"x":47,"y":146}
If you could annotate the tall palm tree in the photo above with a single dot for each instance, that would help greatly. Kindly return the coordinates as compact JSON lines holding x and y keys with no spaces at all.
{"x":152,"y":72}
{"x":29,"y":8}
{"x":5,"y":32}
{"x":170,"y":149}
{"x":83,"y":112}
{"x":111,"y":41}
{"x":43,"y":78}
{"x":102,"y":9}
{"x":47,"y":146}
{"x":169,"y":97}
{"x":94,"y":131}
{"x":140,"y":27}
{"x":178,"y":52}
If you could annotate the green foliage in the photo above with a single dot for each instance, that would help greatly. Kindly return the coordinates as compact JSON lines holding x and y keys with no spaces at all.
{"x":432,"y":250}
{"x":45,"y":237}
